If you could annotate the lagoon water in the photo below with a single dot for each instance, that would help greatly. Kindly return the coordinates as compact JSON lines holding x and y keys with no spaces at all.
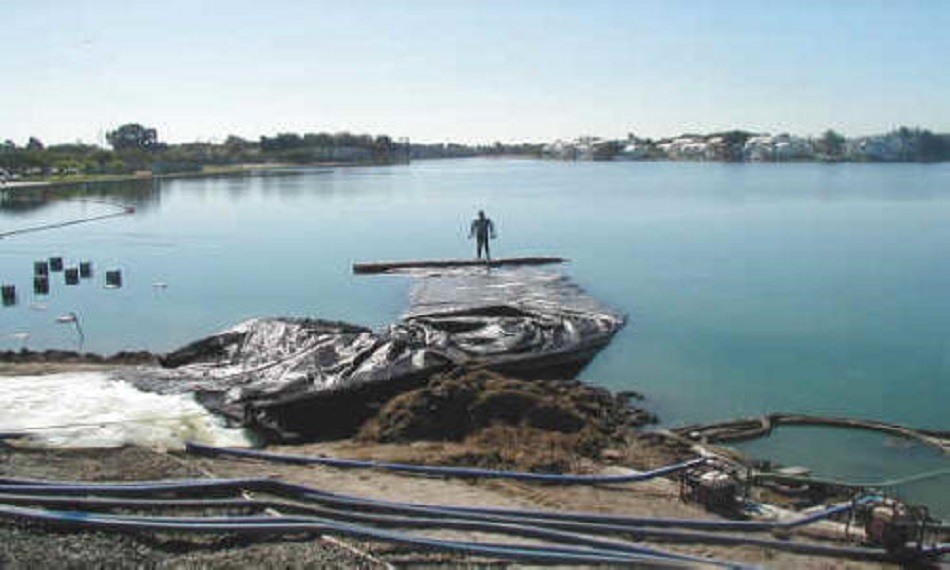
{"x":750,"y":288}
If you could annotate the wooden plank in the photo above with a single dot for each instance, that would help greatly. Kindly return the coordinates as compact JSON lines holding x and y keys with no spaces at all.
{"x":386,"y":266}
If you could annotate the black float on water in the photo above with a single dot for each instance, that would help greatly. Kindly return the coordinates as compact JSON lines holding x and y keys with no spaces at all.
{"x":56,"y":264}
{"x":8,"y":293}
{"x":41,"y":267}
{"x":72,"y":275}
{"x":85,"y":269}
{"x":41,"y":285}
{"x":113,"y":278}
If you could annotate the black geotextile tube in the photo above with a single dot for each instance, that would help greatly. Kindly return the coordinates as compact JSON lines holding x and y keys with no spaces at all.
{"x":549,"y":520}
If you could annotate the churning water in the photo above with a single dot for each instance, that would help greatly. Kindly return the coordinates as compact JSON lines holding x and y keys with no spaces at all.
{"x":90,"y":409}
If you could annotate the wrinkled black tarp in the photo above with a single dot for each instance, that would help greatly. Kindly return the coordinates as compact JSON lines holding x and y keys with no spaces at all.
{"x":521,"y":321}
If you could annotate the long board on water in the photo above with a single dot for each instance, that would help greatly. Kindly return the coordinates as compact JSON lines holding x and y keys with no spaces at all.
{"x":386,"y":266}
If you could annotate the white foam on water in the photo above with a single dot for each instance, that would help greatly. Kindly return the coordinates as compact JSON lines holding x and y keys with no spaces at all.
{"x":91,"y":409}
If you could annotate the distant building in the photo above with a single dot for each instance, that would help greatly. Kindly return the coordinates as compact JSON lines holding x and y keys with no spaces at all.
{"x":582,"y":148}
{"x":784,"y":147}
{"x":634,"y":151}
{"x":560,"y":149}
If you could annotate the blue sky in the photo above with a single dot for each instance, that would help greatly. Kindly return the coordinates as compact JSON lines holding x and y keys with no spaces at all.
{"x":471,"y":71}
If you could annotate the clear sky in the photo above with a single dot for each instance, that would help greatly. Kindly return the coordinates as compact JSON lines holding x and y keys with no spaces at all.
{"x":471,"y":71}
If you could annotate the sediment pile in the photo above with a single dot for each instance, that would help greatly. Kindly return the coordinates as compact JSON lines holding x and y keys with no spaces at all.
{"x":308,"y":378}
{"x":454,"y":406}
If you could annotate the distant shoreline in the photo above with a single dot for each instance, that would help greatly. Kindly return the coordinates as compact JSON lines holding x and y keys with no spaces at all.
{"x":250,"y":169}
{"x":208,"y":172}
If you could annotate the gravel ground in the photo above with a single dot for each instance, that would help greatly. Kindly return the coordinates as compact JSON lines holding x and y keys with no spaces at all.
{"x":30,"y":545}
{"x":25,"y":545}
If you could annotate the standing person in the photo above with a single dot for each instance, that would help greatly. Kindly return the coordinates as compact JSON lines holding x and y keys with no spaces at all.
{"x":482,"y":229}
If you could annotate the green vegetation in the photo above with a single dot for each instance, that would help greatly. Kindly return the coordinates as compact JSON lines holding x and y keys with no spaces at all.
{"x":455,"y":150}
{"x":831,"y":145}
{"x":137,"y":150}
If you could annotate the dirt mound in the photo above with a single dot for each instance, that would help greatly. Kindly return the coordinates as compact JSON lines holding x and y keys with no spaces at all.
{"x":453,"y":407}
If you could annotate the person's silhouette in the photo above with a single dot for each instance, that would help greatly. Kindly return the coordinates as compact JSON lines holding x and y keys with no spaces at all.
{"x":483,"y":230}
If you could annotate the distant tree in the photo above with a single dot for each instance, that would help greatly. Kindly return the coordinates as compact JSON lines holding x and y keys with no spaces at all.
{"x":831,"y":144}
{"x":319,"y":140}
{"x":133,"y":136}
{"x":234,"y":141}
{"x":908,"y":140}
{"x":346,"y":138}
{"x":931,"y":148}
{"x":281,"y":142}
{"x":383,"y":147}
{"x":100,"y":160}
{"x":733,"y":142}
{"x":34,"y":144}
{"x":606,"y":150}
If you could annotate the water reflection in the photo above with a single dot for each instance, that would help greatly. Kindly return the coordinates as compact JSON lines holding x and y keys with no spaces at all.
{"x":144,"y":194}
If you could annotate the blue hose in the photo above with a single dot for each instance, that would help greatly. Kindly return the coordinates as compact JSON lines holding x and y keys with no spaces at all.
{"x":580,"y":522}
{"x":464,"y":472}
{"x":484,"y":524}
{"x":618,"y":521}
{"x":584,"y":518}
{"x":548,"y":554}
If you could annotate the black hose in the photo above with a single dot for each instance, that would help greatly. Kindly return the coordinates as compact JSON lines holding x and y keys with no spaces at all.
{"x":547,"y":554}
{"x":478,"y":524}
{"x":463,"y":472}
{"x":561,"y":521}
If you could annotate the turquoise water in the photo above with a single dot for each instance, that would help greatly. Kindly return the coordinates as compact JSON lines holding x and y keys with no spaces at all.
{"x":750,"y":288}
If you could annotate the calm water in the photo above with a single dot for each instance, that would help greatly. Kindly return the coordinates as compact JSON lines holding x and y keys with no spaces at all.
{"x":750,"y":288}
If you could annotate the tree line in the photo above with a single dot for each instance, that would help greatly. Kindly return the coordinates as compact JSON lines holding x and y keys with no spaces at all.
{"x":136,"y":148}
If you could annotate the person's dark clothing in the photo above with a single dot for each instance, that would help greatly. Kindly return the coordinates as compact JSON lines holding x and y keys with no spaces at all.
{"x":483,"y":230}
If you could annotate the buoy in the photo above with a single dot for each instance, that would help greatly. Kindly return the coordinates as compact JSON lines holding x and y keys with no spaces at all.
{"x":8,"y":293}
{"x":85,"y":269}
{"x":56,"y":264}
{"x":41,"y":267}
{"x":72,"y":275}
{"x":41,"y":285}
{"x":113,"y":279}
